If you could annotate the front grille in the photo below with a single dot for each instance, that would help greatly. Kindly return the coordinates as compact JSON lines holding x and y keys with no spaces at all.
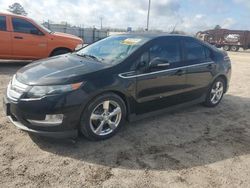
{"x":16,"y":89}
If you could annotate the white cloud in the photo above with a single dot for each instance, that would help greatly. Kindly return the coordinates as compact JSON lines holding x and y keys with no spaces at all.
{"x":165,"y":14}
{"x":196,"y":23}
{"x":199,"y":16}
{"x":228,"y":22}
{"x":245,"y":2}
{"x":88,"y":12}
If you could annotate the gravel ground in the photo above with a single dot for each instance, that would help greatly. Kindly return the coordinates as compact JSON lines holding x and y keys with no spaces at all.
{"x":194,"y":147}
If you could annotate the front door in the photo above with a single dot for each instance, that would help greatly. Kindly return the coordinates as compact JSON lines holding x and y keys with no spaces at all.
{"x":28,"y":41}
{"x":161,"y":86}
{"x":5,"y":39}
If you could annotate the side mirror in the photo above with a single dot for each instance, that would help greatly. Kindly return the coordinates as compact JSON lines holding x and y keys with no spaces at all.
{"x":158,"y":62}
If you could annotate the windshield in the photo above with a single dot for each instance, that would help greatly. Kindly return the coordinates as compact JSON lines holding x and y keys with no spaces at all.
{"x":113,"y":49}
{"x":43,"y":27}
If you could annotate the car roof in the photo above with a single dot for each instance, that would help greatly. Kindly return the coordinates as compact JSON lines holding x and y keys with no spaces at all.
{"x":11,"y":14}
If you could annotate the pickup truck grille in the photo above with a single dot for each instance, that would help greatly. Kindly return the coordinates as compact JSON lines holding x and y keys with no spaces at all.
{"x":16,"y":89}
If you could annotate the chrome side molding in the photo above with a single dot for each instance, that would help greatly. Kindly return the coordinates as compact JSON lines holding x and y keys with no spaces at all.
{"x":127,"y":75}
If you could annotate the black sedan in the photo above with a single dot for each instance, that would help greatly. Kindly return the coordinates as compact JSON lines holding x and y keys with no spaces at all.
{"x":95,"y":90}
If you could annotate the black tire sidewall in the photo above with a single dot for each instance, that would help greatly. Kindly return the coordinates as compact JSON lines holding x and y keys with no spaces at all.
{"x":226,"y":49}
{"x":60,"y":52}
{"x":208,"y":102}
{"x":234,"y":48}
{"x":85,"y":117}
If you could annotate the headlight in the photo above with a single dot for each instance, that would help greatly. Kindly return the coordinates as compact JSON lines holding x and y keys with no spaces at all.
{"x":40,"y":91}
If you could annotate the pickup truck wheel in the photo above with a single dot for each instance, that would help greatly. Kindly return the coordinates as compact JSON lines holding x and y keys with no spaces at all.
{"x":234,"y":48}
{"x":226,"y":48}
{"x":59,"y":52}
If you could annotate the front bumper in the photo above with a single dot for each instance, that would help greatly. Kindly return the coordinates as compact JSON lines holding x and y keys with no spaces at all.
{"x":63,"y":134}
{"x":19,"y":112}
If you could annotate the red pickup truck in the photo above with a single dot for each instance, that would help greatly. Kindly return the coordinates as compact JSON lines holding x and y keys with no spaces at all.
{"x":22,"y":38}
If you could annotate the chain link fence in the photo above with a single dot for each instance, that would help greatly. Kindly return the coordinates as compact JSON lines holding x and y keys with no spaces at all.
{"x":89,"y":35}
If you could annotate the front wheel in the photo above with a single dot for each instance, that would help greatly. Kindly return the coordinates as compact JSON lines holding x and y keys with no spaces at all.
{"x":103,"y":117}
{"x":215,"y":93}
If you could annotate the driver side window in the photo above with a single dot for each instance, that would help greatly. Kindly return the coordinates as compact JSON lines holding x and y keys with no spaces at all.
{"x":23,"y":26}
{"x":167,"y":50}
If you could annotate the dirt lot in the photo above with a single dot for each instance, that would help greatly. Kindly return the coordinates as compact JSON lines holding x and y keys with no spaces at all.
{"x":194,"y":147}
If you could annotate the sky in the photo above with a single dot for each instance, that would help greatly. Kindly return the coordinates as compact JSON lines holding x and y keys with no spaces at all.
{"x":187,"y":15}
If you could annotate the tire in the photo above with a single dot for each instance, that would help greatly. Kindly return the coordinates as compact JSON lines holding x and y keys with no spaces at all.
{"x":226,"y":48}
{"x":59,"y":52}
{"x":211,"y":99}
{"x":97,"y":121}
{"x":234,"y":48}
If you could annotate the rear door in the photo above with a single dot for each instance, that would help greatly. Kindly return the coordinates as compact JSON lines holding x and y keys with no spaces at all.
{"x":200,"y":67}
{"x":162,"y":86}
{"x":28,"y":41}
{"x":5,"y":39}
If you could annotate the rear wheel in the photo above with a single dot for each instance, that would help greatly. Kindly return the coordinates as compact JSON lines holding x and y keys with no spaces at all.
{"x":234,"y":48}
{"x":215,"y":93}
{"x":226,"y":48}
{"x":103,"y":117}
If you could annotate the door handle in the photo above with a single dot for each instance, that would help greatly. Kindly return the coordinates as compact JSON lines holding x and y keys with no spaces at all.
{"x":163,"y":64}
{"x":18,"y":37}
{"x":180,"y":72}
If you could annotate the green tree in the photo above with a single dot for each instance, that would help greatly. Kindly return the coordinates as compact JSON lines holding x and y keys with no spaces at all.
{"x":17,"y":8}
{"x":217,"y":27}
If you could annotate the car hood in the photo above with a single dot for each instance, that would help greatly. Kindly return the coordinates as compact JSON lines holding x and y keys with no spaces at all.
{"x":63,"y":69}
{"x":65,"y":35}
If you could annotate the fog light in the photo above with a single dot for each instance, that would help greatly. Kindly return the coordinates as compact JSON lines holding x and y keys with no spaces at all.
{"x":50,"y":120}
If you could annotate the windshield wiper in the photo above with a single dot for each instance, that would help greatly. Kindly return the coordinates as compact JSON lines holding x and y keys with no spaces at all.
{"x":91,"y":56}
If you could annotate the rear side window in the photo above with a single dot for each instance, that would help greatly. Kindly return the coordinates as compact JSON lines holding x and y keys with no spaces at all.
{"x":23,"y":26}
{"x":194,"y":51}
{"x":3,"y":23}
{"x":208,"y":52}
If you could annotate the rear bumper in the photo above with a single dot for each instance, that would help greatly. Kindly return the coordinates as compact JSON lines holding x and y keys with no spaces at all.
{"x":63,"y":134}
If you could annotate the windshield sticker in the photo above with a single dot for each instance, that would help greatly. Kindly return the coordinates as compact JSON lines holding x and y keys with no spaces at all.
{"x":131,"y":41}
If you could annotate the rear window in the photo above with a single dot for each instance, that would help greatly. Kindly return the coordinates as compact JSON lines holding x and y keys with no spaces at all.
{"x":23,"y":26}
{"x":2,"y":23}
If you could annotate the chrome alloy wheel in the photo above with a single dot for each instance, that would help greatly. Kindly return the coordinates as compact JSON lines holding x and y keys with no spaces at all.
{"x":105,"y":117}
{"x":217,"y":92}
